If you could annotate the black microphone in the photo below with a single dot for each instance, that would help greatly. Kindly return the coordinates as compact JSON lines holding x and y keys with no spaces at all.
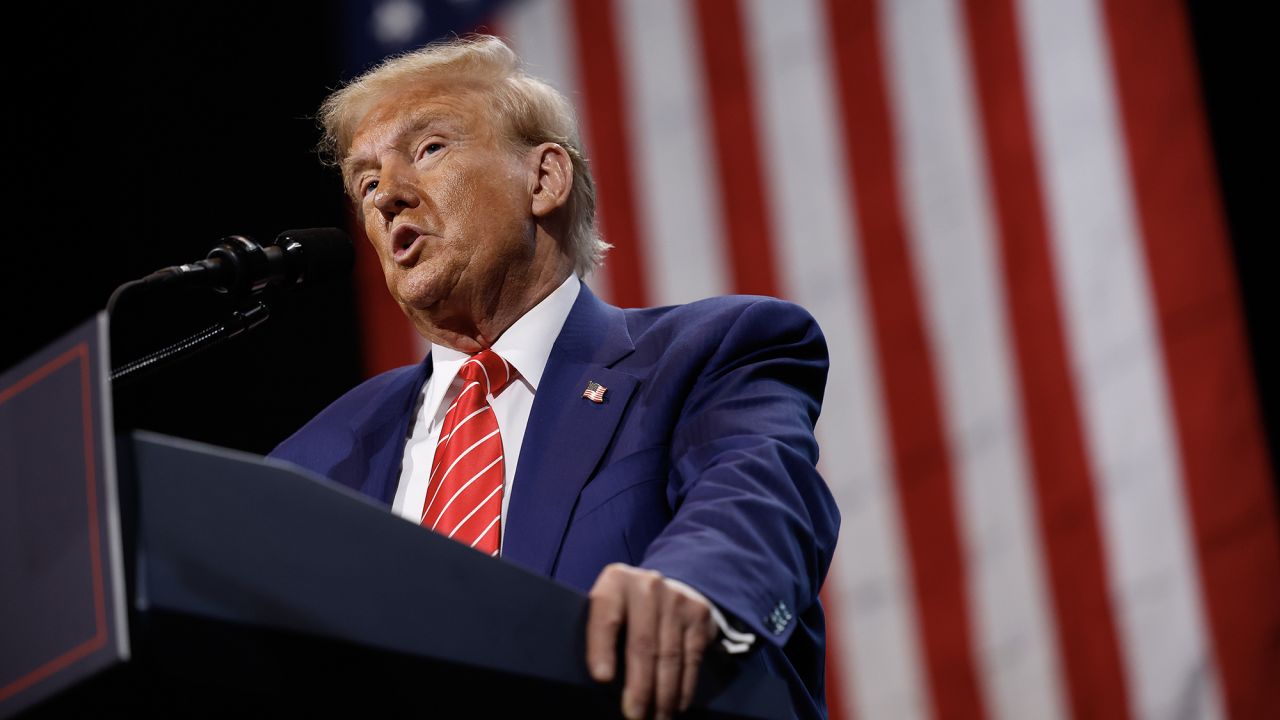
{"x":238,"y":265}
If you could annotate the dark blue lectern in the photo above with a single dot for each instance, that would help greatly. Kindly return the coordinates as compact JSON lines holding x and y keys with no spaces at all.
{"x":151,"y":575}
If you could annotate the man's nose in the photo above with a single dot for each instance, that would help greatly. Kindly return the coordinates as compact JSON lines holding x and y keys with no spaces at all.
{"x":395,"y":191}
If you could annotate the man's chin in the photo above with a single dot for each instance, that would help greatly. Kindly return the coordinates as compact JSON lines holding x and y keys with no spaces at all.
{"x":416,"y":295}
{"x":418,"y":309}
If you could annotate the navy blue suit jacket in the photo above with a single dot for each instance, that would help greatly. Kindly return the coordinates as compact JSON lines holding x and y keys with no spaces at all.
{"x":700,"y":462}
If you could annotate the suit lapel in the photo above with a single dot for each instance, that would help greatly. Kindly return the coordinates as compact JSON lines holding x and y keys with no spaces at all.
{"x":381,"y":429}
{"x":567,"y":433}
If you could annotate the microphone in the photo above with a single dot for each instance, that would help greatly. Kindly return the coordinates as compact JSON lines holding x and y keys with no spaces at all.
{"x":238,"y":265}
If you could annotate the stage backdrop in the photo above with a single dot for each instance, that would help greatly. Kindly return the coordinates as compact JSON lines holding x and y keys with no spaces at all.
{"x":1041,"y":424}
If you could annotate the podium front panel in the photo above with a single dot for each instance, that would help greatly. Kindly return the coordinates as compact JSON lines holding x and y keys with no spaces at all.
{"x":62,"y":614}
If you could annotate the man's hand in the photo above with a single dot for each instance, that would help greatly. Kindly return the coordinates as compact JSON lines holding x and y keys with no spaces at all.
{"x":668,"y":628}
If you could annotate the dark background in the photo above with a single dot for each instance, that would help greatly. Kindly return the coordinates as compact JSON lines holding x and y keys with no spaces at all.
{"x":143,"y":135}
{"x":139,"y":136}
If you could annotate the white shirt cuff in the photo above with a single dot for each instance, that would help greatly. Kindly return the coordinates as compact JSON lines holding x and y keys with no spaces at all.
{"x":733,"y":641}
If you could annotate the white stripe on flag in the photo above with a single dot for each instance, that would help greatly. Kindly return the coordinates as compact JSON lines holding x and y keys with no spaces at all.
{"x":1117,"y":358}
{"x":869,"y":586}
{"x":540,"y":33}
{"x":948,"y":214}
{"x":678,"y":209}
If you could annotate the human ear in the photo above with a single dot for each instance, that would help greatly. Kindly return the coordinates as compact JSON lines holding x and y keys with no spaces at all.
{"x":553,"y":178}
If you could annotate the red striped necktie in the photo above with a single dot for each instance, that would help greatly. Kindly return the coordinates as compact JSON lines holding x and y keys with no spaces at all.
{"x":464,"y":494}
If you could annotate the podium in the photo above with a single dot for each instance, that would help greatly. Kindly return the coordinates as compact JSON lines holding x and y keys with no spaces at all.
{"x":146,"y":574}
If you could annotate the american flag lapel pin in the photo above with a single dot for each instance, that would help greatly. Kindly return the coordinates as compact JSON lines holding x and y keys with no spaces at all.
{"x":594,"y":392}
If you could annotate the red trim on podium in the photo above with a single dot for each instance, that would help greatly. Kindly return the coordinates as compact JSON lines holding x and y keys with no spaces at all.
{"x":80,"y":353}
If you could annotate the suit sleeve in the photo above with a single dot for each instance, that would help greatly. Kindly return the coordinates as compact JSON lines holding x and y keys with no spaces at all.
{"x":754,"y":525}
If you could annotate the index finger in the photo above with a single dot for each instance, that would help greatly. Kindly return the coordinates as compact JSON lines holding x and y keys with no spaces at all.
{"x":604,"y":621}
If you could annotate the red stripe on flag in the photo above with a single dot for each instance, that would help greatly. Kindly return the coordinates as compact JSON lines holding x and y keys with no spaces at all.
{"x":1066,"y":500}
{"x":838,"y":696}
{"x":919,"y":446}
{"x":731,"y":106}
{"x":607,"y":115}
{"x":1224,"y":459}
{"x":387,"y":337}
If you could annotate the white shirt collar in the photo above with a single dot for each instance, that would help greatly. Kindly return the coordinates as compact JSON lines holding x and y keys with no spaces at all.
{"x":526,"y":345}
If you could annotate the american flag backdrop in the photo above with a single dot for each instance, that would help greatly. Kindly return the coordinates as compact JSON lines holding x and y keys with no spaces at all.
{"x":1040,"y":425}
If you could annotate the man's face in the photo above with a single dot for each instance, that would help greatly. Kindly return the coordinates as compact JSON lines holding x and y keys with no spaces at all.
{"x":446,"y":203}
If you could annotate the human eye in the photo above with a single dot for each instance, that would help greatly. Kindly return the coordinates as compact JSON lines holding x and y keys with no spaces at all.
{"x":432,"y":147}
{"x":368,"y":186}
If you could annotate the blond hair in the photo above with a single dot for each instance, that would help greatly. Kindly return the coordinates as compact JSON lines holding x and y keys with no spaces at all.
{"x":532,"y":111}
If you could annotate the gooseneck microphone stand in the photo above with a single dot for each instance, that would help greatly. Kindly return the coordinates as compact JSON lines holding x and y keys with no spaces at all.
{"x":238,"y":322}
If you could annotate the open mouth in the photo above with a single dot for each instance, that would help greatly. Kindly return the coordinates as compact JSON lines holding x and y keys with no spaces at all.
{"x":406,"y":244}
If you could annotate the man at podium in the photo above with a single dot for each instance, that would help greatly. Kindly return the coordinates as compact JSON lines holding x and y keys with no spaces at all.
{"x":661,"y":459}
